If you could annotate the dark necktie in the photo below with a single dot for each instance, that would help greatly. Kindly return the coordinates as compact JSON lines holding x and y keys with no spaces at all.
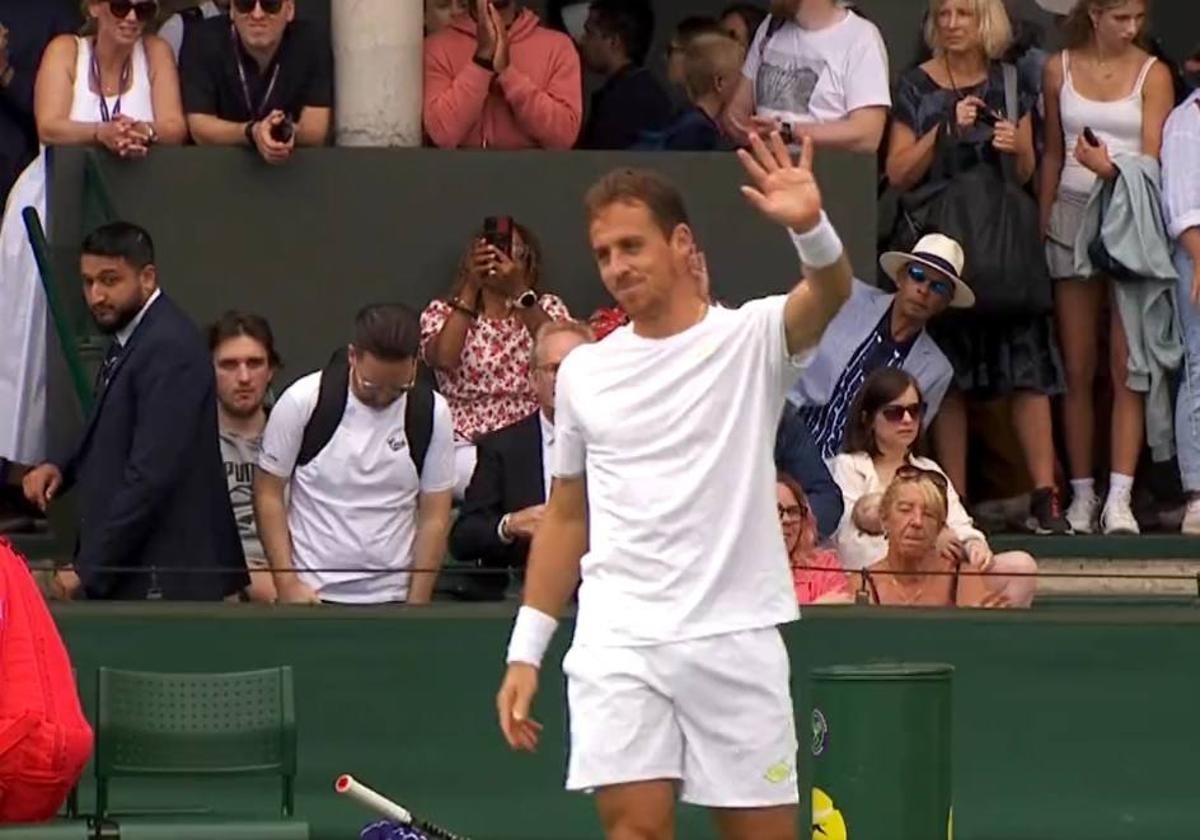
{"x":109,"y":366}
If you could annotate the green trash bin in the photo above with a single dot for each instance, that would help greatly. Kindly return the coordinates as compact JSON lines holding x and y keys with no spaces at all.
{"x":881,"y":752}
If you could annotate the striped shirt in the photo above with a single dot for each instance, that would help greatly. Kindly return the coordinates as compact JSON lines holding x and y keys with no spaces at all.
{"x":827,"y":423}
{"x":1181,"y":167}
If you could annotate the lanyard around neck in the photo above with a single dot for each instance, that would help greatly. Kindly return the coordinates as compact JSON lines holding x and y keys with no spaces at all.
{"x":259,"y":112}
{"x":126,"y":76}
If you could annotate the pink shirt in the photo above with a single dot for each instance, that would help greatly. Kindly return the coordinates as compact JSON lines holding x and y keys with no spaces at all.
{"x":826,"y":577}
{"x":491,"y":387}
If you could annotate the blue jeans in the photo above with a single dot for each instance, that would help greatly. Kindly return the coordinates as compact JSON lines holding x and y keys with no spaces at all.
{"x":1187,"y":406}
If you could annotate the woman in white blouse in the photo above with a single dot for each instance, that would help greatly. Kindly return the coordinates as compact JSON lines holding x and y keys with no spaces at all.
{"x":881,"y":432}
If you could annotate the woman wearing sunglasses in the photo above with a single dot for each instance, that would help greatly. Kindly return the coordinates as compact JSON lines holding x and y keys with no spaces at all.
{"x":882,"y":432}
{"x":116,"y":89}
{"x":816,"y":573}
{"x":915,"y":570}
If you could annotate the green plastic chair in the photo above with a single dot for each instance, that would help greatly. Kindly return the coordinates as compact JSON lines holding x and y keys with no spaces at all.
{"x":154,"y":725}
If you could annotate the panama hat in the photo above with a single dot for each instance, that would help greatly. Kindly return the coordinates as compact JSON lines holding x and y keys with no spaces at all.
{"x":943,"y":255}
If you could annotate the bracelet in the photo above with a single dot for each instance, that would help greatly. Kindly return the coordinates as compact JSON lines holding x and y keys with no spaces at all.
{"x":458,"y":306}
{"x":819,"y":247}
{"x":249,"y":131}
{"x":531,"y":636}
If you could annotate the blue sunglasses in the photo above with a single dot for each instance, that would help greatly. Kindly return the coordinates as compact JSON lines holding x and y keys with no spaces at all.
{"x":938,"y":285}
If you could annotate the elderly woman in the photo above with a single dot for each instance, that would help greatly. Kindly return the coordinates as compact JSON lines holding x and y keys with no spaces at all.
{"x":478,"y":339}
{"x":817,"y":574}
{"x":115,"y":90}
{"x":960,"y":92}
{"x":881,"y":437}
{"x":915,"y":570}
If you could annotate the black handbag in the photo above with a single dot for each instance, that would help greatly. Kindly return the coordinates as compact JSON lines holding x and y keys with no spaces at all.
{"x":990,"y":215}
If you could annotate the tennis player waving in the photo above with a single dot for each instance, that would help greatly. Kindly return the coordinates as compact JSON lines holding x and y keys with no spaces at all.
{"x":663,"y":506}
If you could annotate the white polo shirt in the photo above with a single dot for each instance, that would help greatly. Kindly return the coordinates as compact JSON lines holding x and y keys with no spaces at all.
{"x":676,"y":439}
{"x":354,"y":506}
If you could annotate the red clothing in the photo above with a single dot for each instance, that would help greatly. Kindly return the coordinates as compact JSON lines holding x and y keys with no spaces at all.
{"x":537,"y":102}
{"x":45,"y":740}
{"x":491,"y":388}
{"x":821,"y":575}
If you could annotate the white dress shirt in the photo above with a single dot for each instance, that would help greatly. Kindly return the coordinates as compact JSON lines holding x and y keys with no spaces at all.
{"x":1181,"y":167}
{"x":126,"y":332}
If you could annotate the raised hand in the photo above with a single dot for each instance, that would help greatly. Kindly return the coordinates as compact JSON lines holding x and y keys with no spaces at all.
{"x":784,"y":191}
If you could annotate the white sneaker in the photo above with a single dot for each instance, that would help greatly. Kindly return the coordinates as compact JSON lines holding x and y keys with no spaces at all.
{"x":1191,"y":518}
{"x":1117,"y":517}
{"x":1082,"y":513}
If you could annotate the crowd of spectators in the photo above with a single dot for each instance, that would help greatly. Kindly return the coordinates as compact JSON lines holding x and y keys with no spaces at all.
{"x":1085,"y":143}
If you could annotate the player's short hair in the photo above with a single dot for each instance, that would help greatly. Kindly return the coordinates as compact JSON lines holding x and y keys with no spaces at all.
{"x":122,"y":240}
{"x":234,"y":324}
{"x":638,"y":186}
{"x":388,"y":331}
{"x":563,"y":325}
{"x":708,"y":56}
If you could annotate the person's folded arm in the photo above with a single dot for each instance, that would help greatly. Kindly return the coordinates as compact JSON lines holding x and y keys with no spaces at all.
{"x":550,"y":115}
{"x":859,"y":131}
{"x":453,"y":101}
{"x":314,"y":125}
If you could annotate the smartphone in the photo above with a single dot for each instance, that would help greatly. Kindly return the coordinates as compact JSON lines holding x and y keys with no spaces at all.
{"x":787,"y":134}
{"x":988,"y":118}
{"x":283,"y":131}
{"x":497,"y":232}
{"x":1091,"y":138}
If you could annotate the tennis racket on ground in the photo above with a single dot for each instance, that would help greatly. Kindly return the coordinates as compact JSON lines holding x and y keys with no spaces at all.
{"x":388,"y":809}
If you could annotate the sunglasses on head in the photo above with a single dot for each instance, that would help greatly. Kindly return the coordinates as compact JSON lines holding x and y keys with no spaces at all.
{"x":144,"y":11}
{"x":269,"y":7}
{"x":908,"y":472}
{"x":937,"y":284}
{"x":896,"y":413}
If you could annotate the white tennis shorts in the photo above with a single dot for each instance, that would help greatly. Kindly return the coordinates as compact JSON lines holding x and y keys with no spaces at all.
{"x":713,"y":713}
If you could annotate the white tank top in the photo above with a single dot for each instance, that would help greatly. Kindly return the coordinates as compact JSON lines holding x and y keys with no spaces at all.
{"x":1118,"y":124}
{"x":136,"y":103}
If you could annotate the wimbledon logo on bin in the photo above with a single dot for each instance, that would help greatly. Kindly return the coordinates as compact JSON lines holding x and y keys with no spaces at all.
{"x":827,"y":821}
{"x":820,"y":733}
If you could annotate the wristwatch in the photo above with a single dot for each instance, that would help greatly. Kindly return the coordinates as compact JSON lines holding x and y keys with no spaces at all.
{"x":526,"y":300}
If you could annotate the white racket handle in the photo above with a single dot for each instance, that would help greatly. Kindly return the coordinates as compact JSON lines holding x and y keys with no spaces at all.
{"x":380,"y":804}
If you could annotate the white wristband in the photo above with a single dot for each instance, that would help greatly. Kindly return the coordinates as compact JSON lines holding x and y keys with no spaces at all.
{"x":819,"y":247}
{"x":531,"y":636}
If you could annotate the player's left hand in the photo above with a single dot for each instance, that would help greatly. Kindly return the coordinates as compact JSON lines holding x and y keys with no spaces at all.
{"x":513,"y":703}
{"x":784,"y":191}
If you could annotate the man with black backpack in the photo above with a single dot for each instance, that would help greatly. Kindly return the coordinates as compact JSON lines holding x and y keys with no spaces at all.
{"x":366,"y":450}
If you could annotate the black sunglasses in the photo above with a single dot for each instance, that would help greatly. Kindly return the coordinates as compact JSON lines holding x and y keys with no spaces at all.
{"x":144,"y":11}
{"x":896,"y":413}
{"x":938,"y":285}
{"x":269,"y":7}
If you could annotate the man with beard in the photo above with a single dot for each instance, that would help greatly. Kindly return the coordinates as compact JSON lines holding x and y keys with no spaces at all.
{"x":245,"y":361}
{"x":154,"y":514}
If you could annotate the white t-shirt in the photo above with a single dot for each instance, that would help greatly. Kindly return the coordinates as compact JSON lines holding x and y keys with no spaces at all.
{"x":676,"y":437}
{"x":804,"y":76}
{"x":354,"y":506}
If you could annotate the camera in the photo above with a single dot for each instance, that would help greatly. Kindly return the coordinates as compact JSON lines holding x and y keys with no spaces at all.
{"x":283,"y":131}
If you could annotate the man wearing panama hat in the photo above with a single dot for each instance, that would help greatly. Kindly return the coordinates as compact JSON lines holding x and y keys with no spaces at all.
{"x":875,"y":329}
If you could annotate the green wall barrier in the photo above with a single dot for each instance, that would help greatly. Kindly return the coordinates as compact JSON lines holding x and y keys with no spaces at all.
{"x":1071,"y":724}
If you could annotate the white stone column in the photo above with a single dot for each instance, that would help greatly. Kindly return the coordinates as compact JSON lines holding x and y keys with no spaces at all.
{"x":378,"y":71}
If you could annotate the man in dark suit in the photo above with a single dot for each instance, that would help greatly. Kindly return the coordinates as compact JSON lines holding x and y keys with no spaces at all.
{"x":155,"y":518}
{"x":506,"y":498}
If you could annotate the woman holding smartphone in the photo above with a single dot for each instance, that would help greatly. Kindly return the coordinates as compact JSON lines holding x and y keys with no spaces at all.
{"x":1104,"y":87}
{"x":479,"y":338}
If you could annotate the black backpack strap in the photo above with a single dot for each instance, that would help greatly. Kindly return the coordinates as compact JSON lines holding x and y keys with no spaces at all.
{"x":418,"y":423}
{"x":331,"y":405}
